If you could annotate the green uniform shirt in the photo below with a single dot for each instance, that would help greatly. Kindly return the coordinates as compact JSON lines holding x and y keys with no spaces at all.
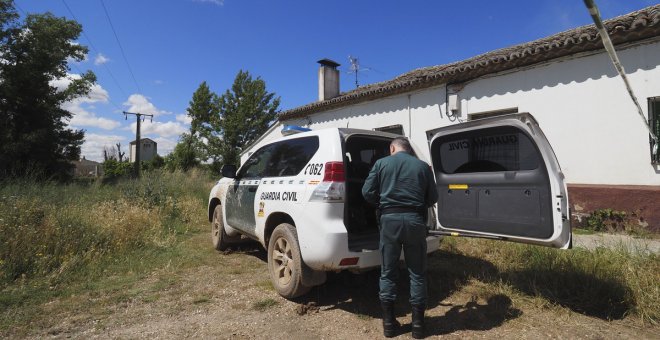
{"x":400,"y":180}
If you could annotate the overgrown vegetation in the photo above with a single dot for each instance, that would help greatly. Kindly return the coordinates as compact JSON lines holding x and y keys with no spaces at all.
{"x":604,"y":283}
{"x":613,"y":221}
{"x":53,"y":231}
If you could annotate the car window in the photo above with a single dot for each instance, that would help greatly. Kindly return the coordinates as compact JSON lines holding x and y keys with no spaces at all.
{"x":257,"y":164}
{"x":486,"y":150}
{"x":291,"y":156}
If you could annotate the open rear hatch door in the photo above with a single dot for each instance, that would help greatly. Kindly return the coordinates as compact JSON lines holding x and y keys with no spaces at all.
{"x":499,"y":178}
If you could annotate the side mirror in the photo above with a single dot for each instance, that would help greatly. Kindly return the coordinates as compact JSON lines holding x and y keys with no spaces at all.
{"x":229,"y":171}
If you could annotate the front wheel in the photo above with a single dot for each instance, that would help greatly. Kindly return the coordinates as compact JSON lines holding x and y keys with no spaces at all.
{"x":218,"y":235}
{"x":285,"y":262}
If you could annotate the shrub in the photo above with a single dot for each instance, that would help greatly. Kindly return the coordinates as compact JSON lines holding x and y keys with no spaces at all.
{"x":609,"y":220}
{"x":113,"y":169}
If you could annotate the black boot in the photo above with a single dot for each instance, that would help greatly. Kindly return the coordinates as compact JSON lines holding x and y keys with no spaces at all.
{"x":390,"y":325}
{"x":418,"y":322}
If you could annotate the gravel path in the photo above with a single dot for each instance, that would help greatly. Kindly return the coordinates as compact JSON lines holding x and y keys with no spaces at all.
{"x":613,"y":241}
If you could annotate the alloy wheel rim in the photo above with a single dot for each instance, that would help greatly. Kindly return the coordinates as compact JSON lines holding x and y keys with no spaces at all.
{"x":283,"y":261}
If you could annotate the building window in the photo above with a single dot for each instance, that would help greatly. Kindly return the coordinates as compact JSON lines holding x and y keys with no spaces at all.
{"x":654,"y":122}
{"x":395,"y":129}
{"x":493,"y":113}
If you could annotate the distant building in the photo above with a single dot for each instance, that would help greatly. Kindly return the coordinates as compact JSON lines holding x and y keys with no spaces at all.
{"x":148,"y":150}
{"x":87,"y":168}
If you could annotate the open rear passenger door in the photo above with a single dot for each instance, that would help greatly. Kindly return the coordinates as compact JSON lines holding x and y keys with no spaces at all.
{"x":499,"y":178}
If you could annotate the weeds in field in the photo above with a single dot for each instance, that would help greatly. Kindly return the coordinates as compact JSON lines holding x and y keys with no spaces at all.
{"x":51,"y":230}
{"x":609,"y":220}
{"x":605,"y":283}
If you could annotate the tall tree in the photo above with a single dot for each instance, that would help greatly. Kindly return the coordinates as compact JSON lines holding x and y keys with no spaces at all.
{"x":246,"y":112}
{"x":182,"y":157}
{"x":34,"y":137}
{"x":201,"y":109}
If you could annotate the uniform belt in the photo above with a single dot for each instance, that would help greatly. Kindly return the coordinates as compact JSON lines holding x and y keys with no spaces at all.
{"x":396,"y":210}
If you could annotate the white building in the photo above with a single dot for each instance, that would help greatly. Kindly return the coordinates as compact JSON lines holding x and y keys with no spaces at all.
{"x":148,"y":150}
{"x":566,"y":81}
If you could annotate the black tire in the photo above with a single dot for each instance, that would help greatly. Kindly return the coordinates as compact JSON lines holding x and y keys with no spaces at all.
{"x":285,"y":262}
{"x":218,"y":235}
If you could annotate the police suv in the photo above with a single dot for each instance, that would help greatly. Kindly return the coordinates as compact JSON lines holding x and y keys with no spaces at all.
{"x":300,"y":196}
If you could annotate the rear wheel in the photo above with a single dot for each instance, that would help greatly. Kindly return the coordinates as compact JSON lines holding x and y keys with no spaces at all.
{"x":218,"y":234}
{"x":285,"y":262}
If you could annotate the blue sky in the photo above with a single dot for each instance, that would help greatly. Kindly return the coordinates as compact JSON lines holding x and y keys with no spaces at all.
{"x":173,"y":45}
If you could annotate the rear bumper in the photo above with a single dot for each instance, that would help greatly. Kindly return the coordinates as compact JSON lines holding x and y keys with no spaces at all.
{"x":365,"y":259}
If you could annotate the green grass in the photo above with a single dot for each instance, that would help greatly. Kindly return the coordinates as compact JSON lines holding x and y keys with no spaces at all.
{"x":264,"y":304}
{"x":580,"y":231}
{"x":604,"y":283}
{"x":265,"y":284}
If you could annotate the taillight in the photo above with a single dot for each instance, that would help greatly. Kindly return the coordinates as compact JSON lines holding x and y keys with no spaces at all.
{"x":332,"y":188}
{"x":349,"y":261}
{"x":334,"y":172}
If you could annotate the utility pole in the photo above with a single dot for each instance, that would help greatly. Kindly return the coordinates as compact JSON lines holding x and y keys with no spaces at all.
{"x":140,"y":118}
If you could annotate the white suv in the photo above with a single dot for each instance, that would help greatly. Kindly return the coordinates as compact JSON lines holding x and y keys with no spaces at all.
{"x":300,"y":196}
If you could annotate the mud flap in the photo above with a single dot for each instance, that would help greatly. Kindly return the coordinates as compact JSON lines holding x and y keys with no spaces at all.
{"x":311,"y":277}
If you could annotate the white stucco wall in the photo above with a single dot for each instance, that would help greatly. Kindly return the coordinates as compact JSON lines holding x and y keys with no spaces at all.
{"x":580,"y":103}
{"x":585,"y":111}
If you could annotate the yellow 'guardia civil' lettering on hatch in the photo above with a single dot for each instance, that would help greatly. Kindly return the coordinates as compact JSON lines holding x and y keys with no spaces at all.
{"x":458,"y":186}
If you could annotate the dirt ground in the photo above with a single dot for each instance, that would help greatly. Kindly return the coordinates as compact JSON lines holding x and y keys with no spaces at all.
{"x":234,"y":300}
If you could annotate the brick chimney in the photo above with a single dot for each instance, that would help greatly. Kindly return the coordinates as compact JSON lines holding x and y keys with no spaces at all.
{"x":328,"y":79}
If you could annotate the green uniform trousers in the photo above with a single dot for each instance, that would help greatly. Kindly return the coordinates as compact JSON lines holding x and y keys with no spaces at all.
{"x":405,"y":231}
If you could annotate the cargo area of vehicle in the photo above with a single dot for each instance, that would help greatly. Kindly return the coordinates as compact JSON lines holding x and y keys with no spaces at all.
{"x":360,"y":217}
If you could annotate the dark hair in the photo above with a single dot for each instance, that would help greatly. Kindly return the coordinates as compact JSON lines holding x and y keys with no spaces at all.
{"x":402,"y":143}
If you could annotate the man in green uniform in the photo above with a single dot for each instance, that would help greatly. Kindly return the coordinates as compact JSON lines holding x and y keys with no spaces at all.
{"x":404,"y":188}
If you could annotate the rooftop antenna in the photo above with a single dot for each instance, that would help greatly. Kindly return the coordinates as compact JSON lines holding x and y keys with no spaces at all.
{"x":356,"y":68}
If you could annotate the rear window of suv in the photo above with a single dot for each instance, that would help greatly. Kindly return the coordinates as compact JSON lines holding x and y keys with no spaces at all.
{"x":487,"y":150}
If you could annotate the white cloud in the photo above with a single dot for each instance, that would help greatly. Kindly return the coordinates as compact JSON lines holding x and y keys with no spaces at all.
{"x":94,"y":143}
{"x":100,"y":59}
{"x":159,"y":82}
{"x":82,"y":117}
{"x":162,"y":129}
{"x":80,"y":107}
{"x":141,"y":104}
{"x":214,"y":2}
{"x":184,"y":118}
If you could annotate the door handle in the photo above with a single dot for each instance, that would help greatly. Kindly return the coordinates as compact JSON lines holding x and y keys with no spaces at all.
{"x":252,"y":189}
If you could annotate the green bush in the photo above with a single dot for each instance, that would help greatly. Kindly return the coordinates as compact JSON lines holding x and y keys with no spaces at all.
{"x":155,"y":163}
{"x":609,"y":220}
{"x":113,"y":169}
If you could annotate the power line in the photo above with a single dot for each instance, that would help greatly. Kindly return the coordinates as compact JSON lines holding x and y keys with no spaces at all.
{"x":81,"y":72}
{"x":97,"y":50}
{"x":609,"y":47}
{"x":120,"y":47}
{"x":20,"y":9}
